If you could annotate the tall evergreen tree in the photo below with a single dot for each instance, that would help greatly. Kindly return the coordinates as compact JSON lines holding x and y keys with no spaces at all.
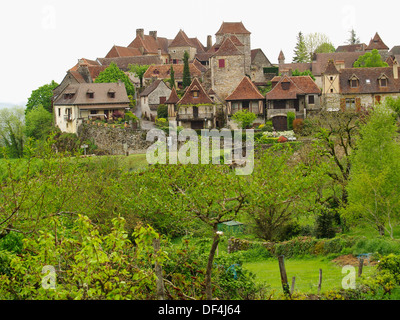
{"x":172,"y":78}
{"x":300,"y":51}
{"x":186,"y":71}
{"x":353,"y":38}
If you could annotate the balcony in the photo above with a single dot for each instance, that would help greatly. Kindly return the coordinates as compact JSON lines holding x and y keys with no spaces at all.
{"x":194,"y":117}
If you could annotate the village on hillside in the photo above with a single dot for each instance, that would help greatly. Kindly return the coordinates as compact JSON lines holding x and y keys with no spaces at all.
{"x":227,"y":75}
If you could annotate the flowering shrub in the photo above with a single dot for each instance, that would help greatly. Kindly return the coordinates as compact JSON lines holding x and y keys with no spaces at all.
{"x":287,"y":134}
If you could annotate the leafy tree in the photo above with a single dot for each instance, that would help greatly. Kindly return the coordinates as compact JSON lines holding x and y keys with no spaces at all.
{"x":314,"y":41}
{"x":370,"y":60}
{"x":394,"y":104}
{"x":325,"y":47}
{"x":375,"y":173}
{"x":12,"y":126}
{"x":42,"y":96}
{"x":297,"y":73}
{"x":300,"y":51}
{"x":186,"y":79}
{"x":139,"y":71}
{"x":353,"y":38}
{"x":162,"y":111}
{"x":244,"y":118}
{"x":112,"y":74}
{"x":38,"y":123}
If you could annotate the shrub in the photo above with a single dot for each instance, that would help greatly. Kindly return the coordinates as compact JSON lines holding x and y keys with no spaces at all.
{"x":162,"y":111}
{"x":297,"y":126}
{"x":244,"y":118}
{"x":291,"y":116}
{"x":306,"y":128}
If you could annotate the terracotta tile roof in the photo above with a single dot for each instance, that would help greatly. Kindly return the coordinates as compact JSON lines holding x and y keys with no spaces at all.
{"x":246,"y":90}
{"x":118,"y":51}
{"x":173,"y":98}
{"x":181,"y":40}
{"x":124,"y":62}
{"x":321,"y":60}
{"x":293,"y":66}
{"x":351,"y":47}
{"x":164,"y":71}
{"x":78,"y":77}
{"x":232,"y":28}
{"x":188,"y":98}
{"x":101,"y":97}
{"x":395,"y":51}
{"x":85,"y":61}
{"x":296,"y":86}
{"x":152,"y":87}
{"x":199,"y":66}
{"x":281,"y":56}
{"x":227,"y":48}
{"x":150,"y":45}
{"x":331,"y":68}
{"x":199,"y":46}
{"x":368,"y":80}
{"x":203,"y":56}
{"x":377,"y":43}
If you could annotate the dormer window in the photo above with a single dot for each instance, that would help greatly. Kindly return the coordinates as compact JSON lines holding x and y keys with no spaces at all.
{"x":90,"y":94}
{"x":195,"y":94}
{"x":111,"y":94}
{"x":383,"y":80}
{"x":354,"y":81}
{"x":156,"y":71}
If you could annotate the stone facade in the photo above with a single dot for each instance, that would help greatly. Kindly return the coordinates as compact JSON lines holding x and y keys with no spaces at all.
{"x":176,"y":53}
{"x":152,"y":98}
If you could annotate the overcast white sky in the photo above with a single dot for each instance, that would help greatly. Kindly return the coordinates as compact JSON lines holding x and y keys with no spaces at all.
{"x":42,"y":39}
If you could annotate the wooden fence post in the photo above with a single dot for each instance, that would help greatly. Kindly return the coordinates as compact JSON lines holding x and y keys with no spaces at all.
{"x":320,"y":281}
{"x":158,"y":272}
{"x":284,"y":280}
{"x":360,"y":266}
{"x":293,"y":283}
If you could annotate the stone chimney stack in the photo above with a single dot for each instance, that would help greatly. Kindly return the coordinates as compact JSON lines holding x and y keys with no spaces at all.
{"x":395,"y":69}
{"x":159,"y":53}
{"x":140,"y":33}
{"x":209,"y":42}
{"x":153,"y":34}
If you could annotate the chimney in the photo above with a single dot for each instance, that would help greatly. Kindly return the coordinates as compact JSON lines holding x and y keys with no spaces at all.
{"x":209,"y":42}
{"x":153,"y":34}
{"x":159,"y":53}
{"x":140,"y":33}
{"x":395,"y":69}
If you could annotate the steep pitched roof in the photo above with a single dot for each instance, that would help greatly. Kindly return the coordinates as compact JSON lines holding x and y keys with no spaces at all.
{"x":118,"y":51}
{"x":152,"y":87}
{"x":228,"y":48}
{"x":321,"y":60}
{"x":281,"y":56}
{"x":232,"y":28}
{"x":150,"y":44}
{"x":85,"y":62}
{"x":173,"y":97}
{"x":368,"y":80}
{"x":198,"y":45}
{"x":351,"y":47}
{"x":296,"y":86}
{"x":164,"y":71}
{"x":331,"y":68}
{"x":188,"y":98}
{"x":181,"y":40}
{"x":377,"y":43}
{"x":246,"y":90}
{"x":100,"y":90}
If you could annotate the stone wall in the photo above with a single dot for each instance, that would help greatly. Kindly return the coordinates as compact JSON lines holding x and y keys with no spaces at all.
{"x":115,"y":141}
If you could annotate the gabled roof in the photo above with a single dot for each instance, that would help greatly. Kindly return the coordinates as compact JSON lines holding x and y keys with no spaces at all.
{"x":85,"y":61}
{"x":377,"y":43}
{"x":101,"y":96}
{"x":173,"y":97}
{"x":321,"y":60}
{"x":228,"y":48}
{"x":152,"y":87}
{"x":198,"y":45}
{"x":181,"y":40}
{"x":118,"y":51}
{"x":164,"y":71}
{"x":232,"y":28}
{"x":368,"y":80}
{"x":203,"y":97}
{"x":331,"y":68}
{"x":351,"y":47}
{"x":246,"y":90}
{"x":150,"y":45}
{"x":297,"y":86}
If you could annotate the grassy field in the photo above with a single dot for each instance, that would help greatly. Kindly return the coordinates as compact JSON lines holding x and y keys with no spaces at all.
{"x":306,"y":272}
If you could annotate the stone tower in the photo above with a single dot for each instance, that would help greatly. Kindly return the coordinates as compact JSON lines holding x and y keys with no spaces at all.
{"x":239,"y":30}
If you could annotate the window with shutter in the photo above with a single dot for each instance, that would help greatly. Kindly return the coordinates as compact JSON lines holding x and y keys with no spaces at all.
{"x":221,"y":63}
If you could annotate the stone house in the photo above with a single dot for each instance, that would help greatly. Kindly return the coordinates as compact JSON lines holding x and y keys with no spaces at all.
{"x":299,"y":95}
{"x":150,"y":99}
{"x":84,"y":101}
{"x":356,"y":88}
{"x":178,"y":46}
{"x":195,"y":110}
{"x":227,"y":66}
{"x":246,"y":96}
{"x":171,"y":104}
{"x":259,"y":66}
{"x":151,"y":45}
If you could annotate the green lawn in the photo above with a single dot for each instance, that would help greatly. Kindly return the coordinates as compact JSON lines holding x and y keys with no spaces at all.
{"x":306,"y":272}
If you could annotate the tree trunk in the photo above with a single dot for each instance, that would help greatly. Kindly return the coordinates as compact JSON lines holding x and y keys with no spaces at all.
{"x":210,"y":264}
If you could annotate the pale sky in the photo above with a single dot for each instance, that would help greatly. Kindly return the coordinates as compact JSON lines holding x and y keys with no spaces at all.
{"x":42,"y":39}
